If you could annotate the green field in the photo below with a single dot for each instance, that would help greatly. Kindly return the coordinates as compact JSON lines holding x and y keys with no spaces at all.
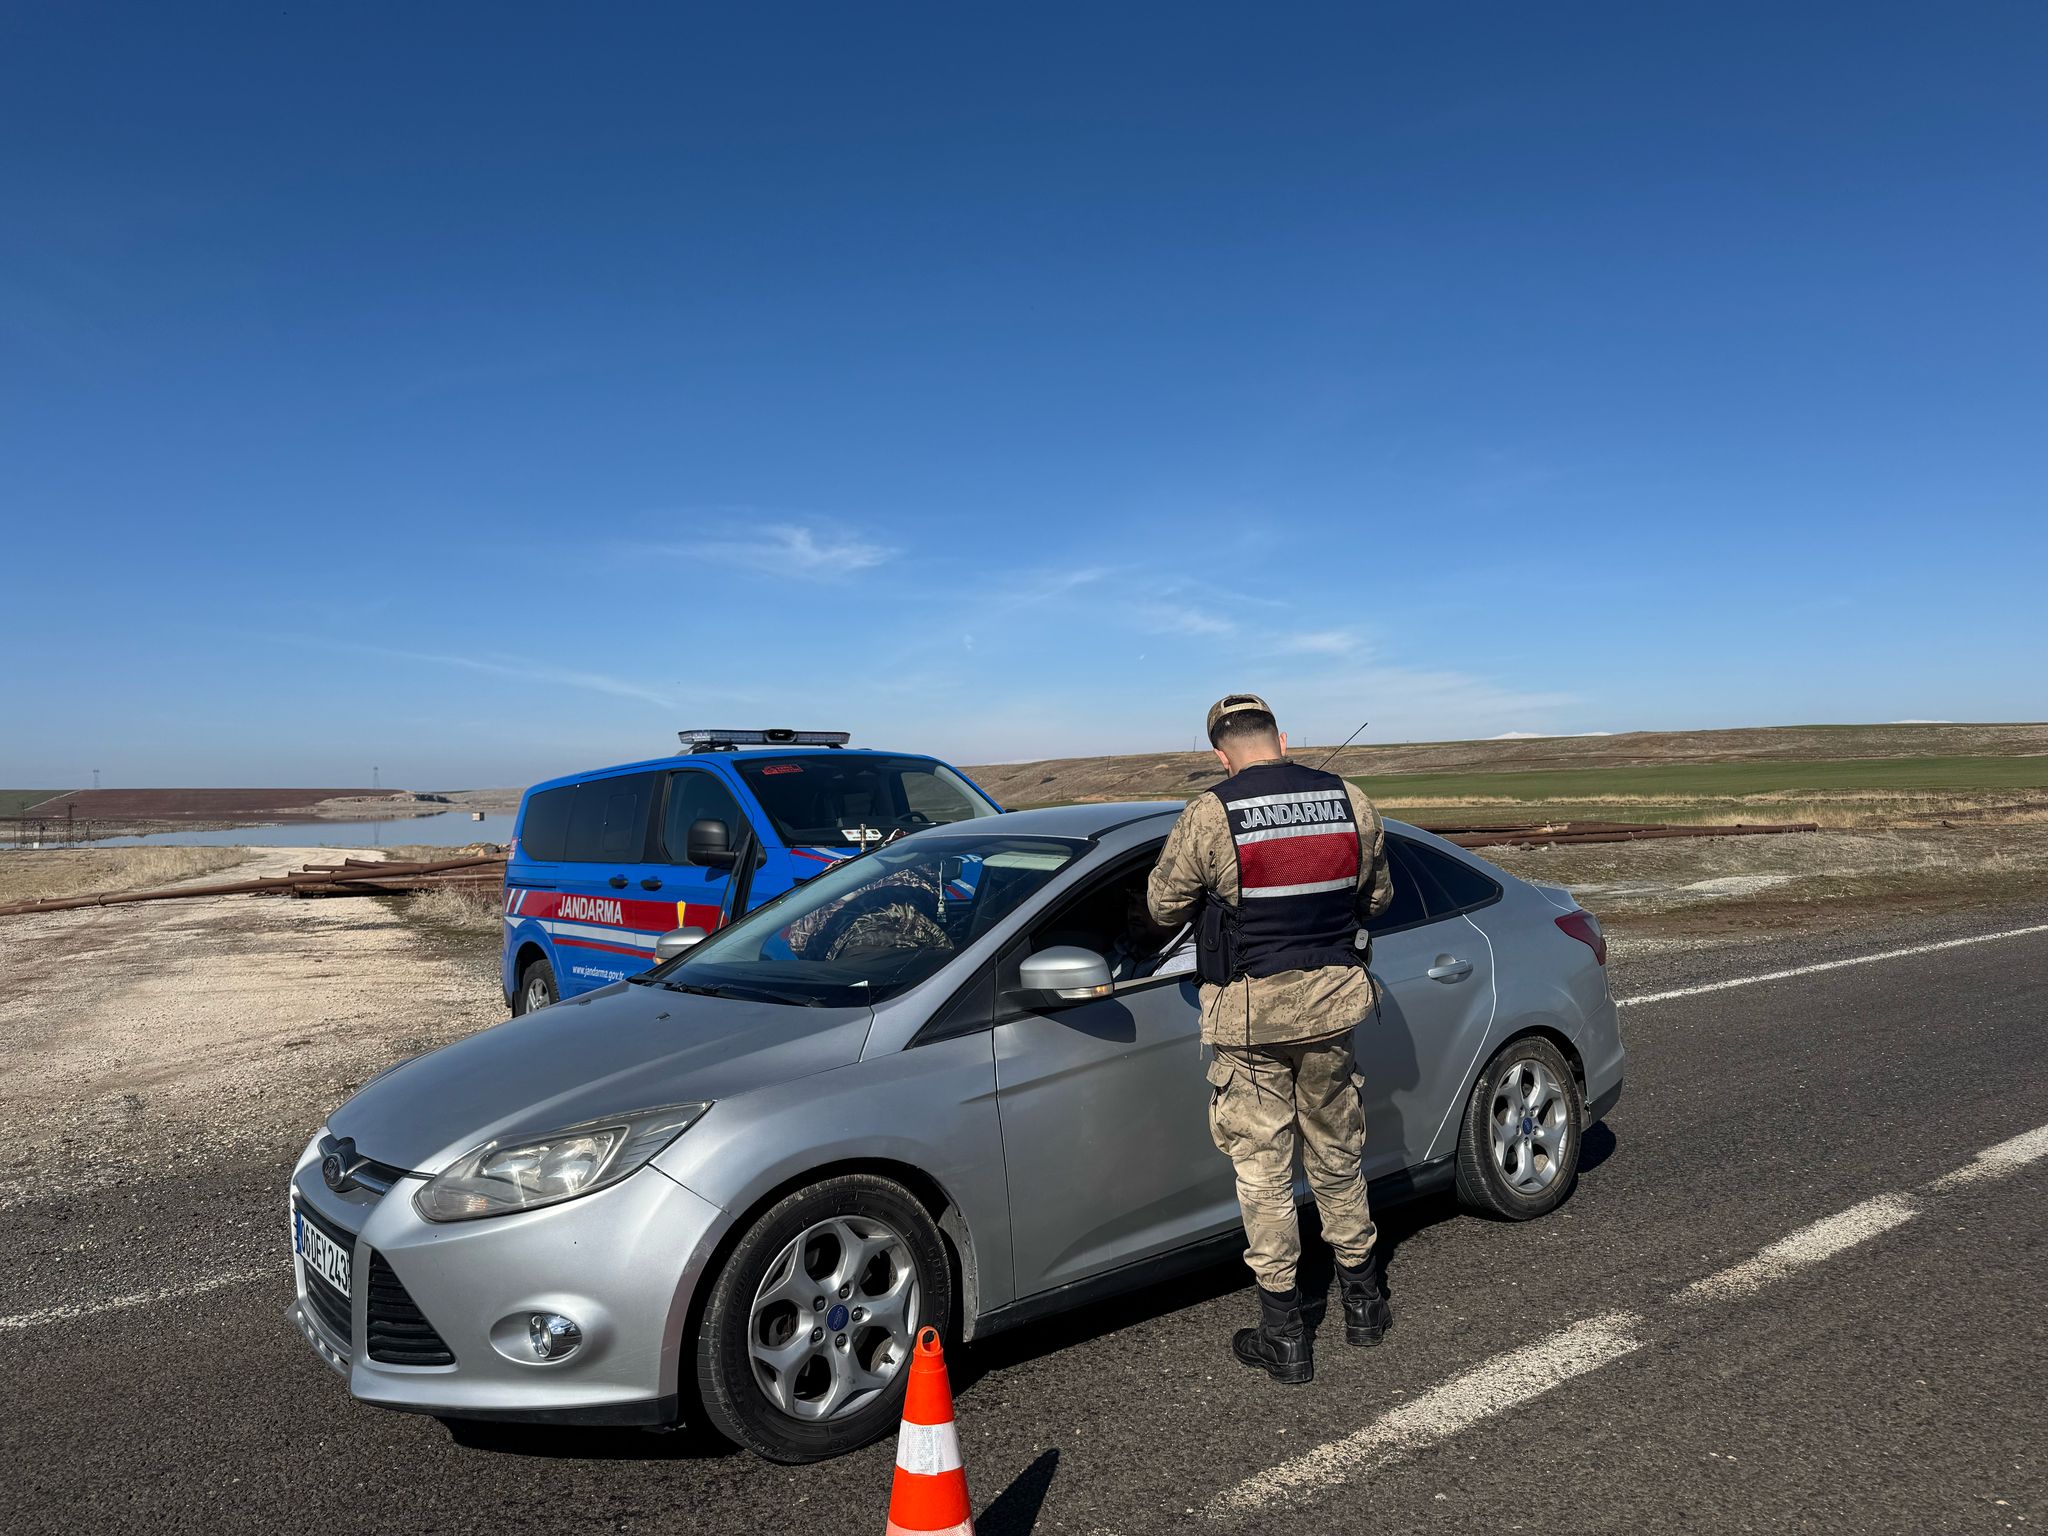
{"x":14,"y":801}
{"x":1722,"y":782}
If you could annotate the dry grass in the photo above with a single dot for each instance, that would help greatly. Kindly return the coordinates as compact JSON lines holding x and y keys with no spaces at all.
{"x":424,"y":853}
{"x":467,"y":908}
{"x":1797,"y":875}
{"x":31,"y":874}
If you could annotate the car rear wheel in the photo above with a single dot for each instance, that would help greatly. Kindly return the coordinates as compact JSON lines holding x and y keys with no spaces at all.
{"x":1518,"y":1150}
{"x":804,"y":1347}
{"x":536,"y":987}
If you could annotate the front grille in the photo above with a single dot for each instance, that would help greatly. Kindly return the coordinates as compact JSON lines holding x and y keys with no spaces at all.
{"x":368,"y":1172}
{"x":328,"y":1304}
{"x":398,"y":1332}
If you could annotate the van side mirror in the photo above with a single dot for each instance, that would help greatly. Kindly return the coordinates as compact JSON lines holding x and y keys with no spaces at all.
{"x":677,"y":941}
{"x":1061,"y":976}
{"x":709,"y":843}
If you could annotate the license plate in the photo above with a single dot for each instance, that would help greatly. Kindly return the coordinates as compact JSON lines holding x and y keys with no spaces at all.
{"x":323,"y":1255}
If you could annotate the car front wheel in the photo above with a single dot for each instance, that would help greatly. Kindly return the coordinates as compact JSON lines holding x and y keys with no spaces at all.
{"x":804,"y":1347}
{"x":1518,"y":1150}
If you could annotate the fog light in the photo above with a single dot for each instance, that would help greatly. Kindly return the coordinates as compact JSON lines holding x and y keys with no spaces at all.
{"x":553,"y":1336}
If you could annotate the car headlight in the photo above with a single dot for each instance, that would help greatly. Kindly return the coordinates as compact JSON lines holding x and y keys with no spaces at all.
{"x":503,"y":1176}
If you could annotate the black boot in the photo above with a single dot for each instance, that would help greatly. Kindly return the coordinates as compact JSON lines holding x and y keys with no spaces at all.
{"x":1280,"y":1343}
{"x":1367,"y":1312}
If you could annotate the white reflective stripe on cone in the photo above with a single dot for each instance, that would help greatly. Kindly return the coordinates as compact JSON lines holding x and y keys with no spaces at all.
{"x":964,"y":1528}
{"x":925,"y":1450}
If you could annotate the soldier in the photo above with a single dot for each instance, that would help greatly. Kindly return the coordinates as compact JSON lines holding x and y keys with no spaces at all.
{"x":1284,"y":865}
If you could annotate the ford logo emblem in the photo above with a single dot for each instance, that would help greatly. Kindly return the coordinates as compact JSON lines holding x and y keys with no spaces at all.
{"x":337,"y":1168}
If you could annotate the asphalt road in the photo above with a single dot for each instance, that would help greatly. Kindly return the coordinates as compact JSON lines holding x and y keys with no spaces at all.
{"x":1629,"y":1364}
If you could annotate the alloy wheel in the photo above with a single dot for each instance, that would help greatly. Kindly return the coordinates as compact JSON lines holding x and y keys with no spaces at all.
{"x":1532,"y":1126}
{"x":833,"y":1319}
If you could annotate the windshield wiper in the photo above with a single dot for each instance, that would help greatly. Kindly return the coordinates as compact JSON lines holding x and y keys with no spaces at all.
{"x":744,"y":994}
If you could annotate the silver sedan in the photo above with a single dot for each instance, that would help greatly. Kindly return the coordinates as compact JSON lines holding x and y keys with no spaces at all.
{"x":954,"y":1081}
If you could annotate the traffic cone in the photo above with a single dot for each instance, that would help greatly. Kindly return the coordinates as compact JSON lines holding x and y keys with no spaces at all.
{"x":930,"y":1494}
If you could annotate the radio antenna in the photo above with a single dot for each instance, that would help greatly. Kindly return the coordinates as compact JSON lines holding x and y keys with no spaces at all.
{"x":1345,"y":743}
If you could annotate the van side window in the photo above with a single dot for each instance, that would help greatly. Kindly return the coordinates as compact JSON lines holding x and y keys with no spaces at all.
{"x":694,"y":795}
{"x":608,"y":823}
{"x":544,"y":830}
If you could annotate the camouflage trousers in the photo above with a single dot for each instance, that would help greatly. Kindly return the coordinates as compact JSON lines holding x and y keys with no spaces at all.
{"x":1264,"y":1104}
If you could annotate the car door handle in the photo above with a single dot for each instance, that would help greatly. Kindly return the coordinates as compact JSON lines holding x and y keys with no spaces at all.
{"x":618,"y":882}
{"x":1450,"y":968}
{"x":650,"y":884}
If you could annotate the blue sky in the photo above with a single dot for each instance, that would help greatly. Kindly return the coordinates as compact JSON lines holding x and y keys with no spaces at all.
{"x":484,"y":392}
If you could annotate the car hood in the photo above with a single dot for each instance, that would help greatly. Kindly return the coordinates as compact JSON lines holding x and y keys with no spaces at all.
{"x":623,"y":1048}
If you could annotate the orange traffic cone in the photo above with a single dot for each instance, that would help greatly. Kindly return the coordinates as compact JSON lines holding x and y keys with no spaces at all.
{"x":930,"y":1495}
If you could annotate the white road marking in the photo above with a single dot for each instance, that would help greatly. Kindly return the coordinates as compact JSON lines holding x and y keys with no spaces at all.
{"x":1502,"y":1383}
{"x":67,"y":1314}
{"x":1809,"y":1245}
{"x":1508,"y":1381}
{"x":1827,"y":965}
{"x":1996,"y":1162}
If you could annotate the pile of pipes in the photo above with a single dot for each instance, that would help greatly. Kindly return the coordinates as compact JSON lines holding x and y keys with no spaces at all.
{"x":1550,"y":834}
{"x":351,"y":877}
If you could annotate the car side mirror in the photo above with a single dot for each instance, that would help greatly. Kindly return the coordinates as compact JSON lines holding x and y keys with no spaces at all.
{"x":1061,"y":976}
{"x":678,"y":941}
{"x":710,"y":843}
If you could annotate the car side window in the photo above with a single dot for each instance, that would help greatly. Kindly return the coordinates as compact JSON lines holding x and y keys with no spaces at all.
{"x":1409,"y":906}
{"x":1108,"y":916}
{"x":695,"y":795}
{"x":608,"y":822}
{"x":1450,"y":885}
{"x":544,"y":830}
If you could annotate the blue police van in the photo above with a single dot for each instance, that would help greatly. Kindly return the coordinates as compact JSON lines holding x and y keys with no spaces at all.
{"x":604,"y":864}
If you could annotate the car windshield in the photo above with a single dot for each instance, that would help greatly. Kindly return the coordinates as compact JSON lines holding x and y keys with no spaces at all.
{"x":843,"y":799}
{"x":872,"y":926}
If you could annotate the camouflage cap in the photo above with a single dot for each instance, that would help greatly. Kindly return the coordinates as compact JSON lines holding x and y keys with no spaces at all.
{"x":1234,"y":704}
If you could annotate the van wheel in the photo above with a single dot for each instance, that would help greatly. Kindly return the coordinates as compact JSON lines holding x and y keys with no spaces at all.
{"x":536,"y":988}
{"x":1518,"y":1150}
{"x":803,"y":1351}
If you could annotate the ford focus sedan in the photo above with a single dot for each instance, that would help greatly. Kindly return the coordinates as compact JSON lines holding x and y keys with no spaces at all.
{"x":955,"y":1081}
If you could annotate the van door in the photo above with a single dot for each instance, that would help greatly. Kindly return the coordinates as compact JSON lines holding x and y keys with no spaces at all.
{"x":694,"y":892}
{"x":603,"y":930}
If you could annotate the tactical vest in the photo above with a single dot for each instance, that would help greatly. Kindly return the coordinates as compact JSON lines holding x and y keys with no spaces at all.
{"x":1299,"y":854}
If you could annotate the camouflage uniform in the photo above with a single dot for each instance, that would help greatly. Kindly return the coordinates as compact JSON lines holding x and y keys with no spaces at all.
{"x":1284,"y":1071}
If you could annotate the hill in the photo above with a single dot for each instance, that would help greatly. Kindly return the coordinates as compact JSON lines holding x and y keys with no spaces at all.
{"x":1633,"y":763}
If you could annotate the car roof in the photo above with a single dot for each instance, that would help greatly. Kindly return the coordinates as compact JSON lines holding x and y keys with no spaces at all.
{"x":1094,"y":820}
{"x":743,"y":754}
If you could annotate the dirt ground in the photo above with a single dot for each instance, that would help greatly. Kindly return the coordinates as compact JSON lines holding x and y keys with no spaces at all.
{"x":152,"y":1035}
{"x":31,"y":874}
{"x":1706,"y":887}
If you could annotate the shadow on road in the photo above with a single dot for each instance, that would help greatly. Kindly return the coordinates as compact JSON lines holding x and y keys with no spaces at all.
{"x":579,"y":1443}
{"x":1015,"y":1509}
{"x":1085,"y":1324}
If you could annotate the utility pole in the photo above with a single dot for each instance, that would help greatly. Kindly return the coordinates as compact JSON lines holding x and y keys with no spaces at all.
{"x":373,"y":777}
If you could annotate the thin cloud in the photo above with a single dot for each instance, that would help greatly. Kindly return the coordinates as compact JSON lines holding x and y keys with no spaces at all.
{"x":1319,"y":642}
{"x":1182,"y":619}
{"x":792,"y":549}
{"x":526,"y":670}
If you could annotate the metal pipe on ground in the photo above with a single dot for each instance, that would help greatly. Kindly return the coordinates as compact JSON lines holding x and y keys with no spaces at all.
{"x":368,"y":875}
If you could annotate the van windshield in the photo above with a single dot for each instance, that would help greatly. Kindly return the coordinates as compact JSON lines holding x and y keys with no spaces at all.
{"x":873,"y":926}
{"x":844,"y":800}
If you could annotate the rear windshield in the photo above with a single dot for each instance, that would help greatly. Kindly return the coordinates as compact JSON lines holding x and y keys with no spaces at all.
{"x":840,"y":800}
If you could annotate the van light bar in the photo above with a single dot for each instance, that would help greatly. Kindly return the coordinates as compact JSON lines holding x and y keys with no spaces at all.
{"x":776,"y":736}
